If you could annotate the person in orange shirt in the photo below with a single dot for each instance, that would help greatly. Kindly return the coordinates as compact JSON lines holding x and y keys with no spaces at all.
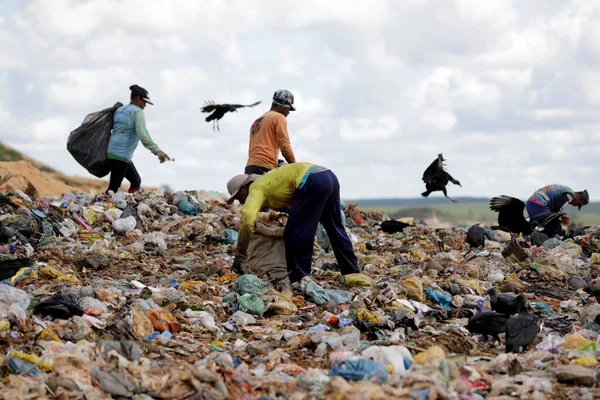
{"x":269,"y":135}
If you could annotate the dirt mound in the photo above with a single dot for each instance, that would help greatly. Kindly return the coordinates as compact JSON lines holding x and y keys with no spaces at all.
{"x":27,"y":177}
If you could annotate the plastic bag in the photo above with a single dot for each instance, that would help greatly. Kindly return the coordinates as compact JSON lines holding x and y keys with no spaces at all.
{"x":358,"y":280}
{"x":550,"y":343}
{"x":398,"y":357}
{"x":574,"y":341}
{"x":414,"y":287}
{"x":229,"y":236}
{"x":357,"y":370}
{"x":282,"y":307}
{"x":440,"y":297}
{"x":320,"y":295}
{"x":12,"y":295}
{"x":88,"y":144}
{"x":431,"y":354}
{"x":112,"y":214}
{"x":252,"y":304}
{"x":242,"y":318}
{"x":187,"y":208}
{"x":92,"y":306}
{"x":202,"y":317}
{"x":250,"y":284}
{"x":124,"y":225}
{"x":586,"y":362}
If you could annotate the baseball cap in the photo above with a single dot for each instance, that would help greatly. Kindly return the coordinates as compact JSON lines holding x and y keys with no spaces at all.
{"x":137,"y":90}
{"x":284,"y":98}
{"x":585,"y":198}
{"x":237,"y":182}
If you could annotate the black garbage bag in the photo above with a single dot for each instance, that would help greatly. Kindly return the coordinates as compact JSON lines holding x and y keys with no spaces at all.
{"x":9,"y":268}
{"x":59,"y":306}
{"x":88,"y":144}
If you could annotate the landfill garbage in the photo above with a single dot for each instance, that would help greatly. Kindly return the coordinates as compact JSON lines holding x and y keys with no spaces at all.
{"x":127,"y":296}
{"x":124,"y":225}
{"x":187,"y":208}
{"x":320,"y":295}
{"x":358,"y":280}
{"x":252,"y":304}
{"x":250,"y":284}
{"x":356,"y":370}
{"x":59,"y":306}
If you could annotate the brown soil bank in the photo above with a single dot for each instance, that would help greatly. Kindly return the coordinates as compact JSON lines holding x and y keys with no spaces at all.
{"x":27,"y":177}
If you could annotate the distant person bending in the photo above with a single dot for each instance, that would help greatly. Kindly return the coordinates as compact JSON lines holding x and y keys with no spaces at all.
{"x":269,"y":135}
{"x":552,"y":198}
{"x":128,"y":130}
{"x":313,"y":193}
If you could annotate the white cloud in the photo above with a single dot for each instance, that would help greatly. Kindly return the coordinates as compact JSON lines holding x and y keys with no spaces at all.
{"x":52,"y":130}
{"x":369,"y":129}
{"x":507,"y":90}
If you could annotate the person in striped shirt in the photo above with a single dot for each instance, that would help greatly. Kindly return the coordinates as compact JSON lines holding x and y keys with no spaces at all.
{"x":552,"y":198}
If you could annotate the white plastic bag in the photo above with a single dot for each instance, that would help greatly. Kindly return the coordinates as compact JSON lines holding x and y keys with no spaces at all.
{"x":124,"y":225}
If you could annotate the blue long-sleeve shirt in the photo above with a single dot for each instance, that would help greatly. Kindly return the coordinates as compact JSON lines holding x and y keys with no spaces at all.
{"x":552,"y":197}
{"x":129,"y":129}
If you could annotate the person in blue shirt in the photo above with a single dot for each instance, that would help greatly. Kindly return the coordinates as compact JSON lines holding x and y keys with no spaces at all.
{"x":553,"y":198}
{"x":129,"y":129}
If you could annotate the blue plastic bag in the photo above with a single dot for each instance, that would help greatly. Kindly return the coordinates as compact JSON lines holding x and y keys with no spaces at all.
{"x":357,"y":370}
{"x":229,"y":236}
{"x":188,"y":208}
{"x":442,"y":298}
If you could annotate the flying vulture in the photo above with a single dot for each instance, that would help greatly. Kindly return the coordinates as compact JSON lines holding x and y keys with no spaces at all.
{"x":436,"y":178}
{"x":219,"y":110}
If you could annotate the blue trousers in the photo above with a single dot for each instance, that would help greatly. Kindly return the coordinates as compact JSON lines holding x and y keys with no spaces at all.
{"x":317,"y":201}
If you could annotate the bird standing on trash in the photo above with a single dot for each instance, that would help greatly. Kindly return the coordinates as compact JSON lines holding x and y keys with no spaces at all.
{"x":436,"y":178}
{"x":219,"y":110}
{"x":521,"y":330}
{"x":476,"y":236}
{"x":506,"y":303}
{"x":488,"y":323}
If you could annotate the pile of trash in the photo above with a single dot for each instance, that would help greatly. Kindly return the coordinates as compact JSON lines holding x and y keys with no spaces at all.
{"x":133,"y":296}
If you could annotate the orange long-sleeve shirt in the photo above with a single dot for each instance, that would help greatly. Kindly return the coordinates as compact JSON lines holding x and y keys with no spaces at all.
{"x":268,"y":135}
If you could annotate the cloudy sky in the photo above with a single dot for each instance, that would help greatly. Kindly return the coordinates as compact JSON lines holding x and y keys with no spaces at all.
{"x":508,"y":91}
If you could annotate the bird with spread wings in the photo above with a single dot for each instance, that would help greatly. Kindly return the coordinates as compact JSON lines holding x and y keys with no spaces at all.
{"x":219,"y":110}
{"x":436,"y":178}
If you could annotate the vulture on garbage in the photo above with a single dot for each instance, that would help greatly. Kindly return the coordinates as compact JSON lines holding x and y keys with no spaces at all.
{"x":393,"y":226}
{"x":593,"y":326}
{"x":219,"y":110}
{"x":510,"y":216}
{"x":488,"y":323}
{"x":476,"y":236}
{"x":521,"y":330}
{"x":436,"y":178}
{"x":506,"y":303}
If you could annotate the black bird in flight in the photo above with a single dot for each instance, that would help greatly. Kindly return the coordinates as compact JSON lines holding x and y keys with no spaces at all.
{"x":510,"y":216}
{"x":219,"y":110}
{"x":436,"y":178}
